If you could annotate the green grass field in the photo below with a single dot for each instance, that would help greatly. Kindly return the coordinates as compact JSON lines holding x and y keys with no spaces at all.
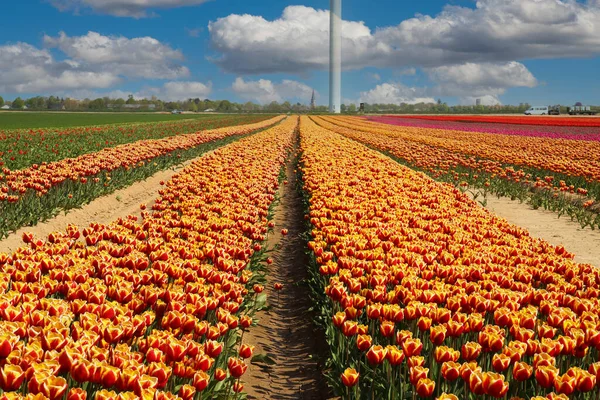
{"x":31,"y":120}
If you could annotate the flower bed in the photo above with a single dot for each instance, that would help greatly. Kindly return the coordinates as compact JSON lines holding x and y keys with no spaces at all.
{"x":152,"y":308}
{"x":426,"y":294}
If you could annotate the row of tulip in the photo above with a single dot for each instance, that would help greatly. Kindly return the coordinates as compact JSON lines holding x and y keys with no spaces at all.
{"x":492,"y":163}
{"x":521,"y":120}
{"x":424,"y":293}
{"x":552,"y":132}
{"x":36,"y":193}
{"x":150,"y":309}
{"x":574,"y":158}
{"x":24,"y":147}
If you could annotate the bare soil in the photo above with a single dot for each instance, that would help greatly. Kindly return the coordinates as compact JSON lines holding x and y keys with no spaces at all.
{"x":584,"y":243}
{"x":285,"y":331}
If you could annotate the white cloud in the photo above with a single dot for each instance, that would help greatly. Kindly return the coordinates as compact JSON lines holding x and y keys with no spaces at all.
{"x":296,"y":42}
{"x":486,"y":81}
{"x":487,"y":100}
{"x":406,"y":71}
{"x":395,"y":93}
{"x":27,"y":69}
{"x":468,"y":82}
{"x":265,"y":91}
{"x":179,"y":90}
{"x":122,"y":8}
{"x":493,"y":31}
{"x":169,"y":91}
{"x":93,"y":61}
{"x":143,"y":57}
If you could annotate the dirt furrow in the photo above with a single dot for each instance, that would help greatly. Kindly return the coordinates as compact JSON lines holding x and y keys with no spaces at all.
{"x":285,"y":331}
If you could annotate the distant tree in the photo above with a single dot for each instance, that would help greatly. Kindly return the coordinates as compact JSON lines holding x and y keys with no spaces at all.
{"x":36,"y":103}
{"x":352,"y":108}
{"x":1,"y":101}
{"x":343,"y":108}
{"x":97,"y":104}
{"x":225,"y":106}
{"x":53,"y":103}
{"x":18,"y":103}
{"x":118,"y":103}
{"x":273,"y":107}
{"x":130,"y":99}
{"x":286,"y":106}
{"x":192,"y":106}
{"x":71,"y":104}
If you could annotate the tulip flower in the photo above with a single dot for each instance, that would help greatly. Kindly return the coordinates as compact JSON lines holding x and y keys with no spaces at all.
{"x":236,"y":367}
{"x":350,"y":377}
{"x":425,"y":387}
{"x":200,"y":381}
{"x":522,"y":371}
{"x":246,"y":351}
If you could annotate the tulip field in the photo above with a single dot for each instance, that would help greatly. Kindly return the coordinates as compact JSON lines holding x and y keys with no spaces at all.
{"x":416,"y":290}
{"x":426,"y":294}
{"x":40,"y":190}
{"x":558,"y":174}
{"x":146,"y":308}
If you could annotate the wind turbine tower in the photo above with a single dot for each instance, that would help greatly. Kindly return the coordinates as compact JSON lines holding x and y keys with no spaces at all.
{"x":335,"y":56}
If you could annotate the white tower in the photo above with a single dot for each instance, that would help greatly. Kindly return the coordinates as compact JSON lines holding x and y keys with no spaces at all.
{"x":335,"y":56}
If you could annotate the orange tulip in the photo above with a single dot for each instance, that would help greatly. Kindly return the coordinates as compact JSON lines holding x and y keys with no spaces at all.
{"x":545,"y":375}
{"x":425,"y":387}
{"x":376,"y":355}
{"x":495,"y":385}
{"x":201,"y":380}
{"x":522,"y":371}
{"x":236,"y":367}
{"x":350,"y":377}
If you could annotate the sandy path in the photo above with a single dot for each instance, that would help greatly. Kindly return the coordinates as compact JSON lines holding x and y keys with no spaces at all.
{"x":103,"y":209}
{"x":584,"y":243}
{"x":286,"y":331}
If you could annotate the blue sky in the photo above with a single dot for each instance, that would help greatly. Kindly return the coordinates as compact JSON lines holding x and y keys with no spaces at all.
{"x":507,"y":51}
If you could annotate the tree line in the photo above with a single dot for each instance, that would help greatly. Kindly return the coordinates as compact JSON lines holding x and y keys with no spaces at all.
{"x":54,"y":103}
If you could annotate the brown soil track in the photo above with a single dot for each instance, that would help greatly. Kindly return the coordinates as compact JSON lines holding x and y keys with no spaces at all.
{"x":285,"y":331}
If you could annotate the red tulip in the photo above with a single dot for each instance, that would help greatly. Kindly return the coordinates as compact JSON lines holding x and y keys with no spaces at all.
{"x":236,"y":367}
{"x":425,"y":387}
{"x":350,"y":377}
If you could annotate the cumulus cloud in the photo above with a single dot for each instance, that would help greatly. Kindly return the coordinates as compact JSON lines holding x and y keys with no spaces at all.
{"x":469,"y":81}
{"x":265,"y":91}
{"x":143,"y":57}
{"x":27,"y":69}
{"x":179,"y":90}
{"x":486,"y":81}
{"x":92,"y":61}
{"x":493,"y":31}
{"x":395,"y":93}
{"x":122,"y":8}
{"x":297,"y":41}
{"x":169,"y":91}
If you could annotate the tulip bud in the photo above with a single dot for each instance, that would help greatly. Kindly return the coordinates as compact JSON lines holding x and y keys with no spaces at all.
{"x":236,"y":367}
{"x":376,"y":355}
{"x":522,"y":371}
{"x":200,"y":380}
{"x":425,"y":387}
{"x":350,"y":377}
{"x":220,"y":374}
{"x":246,"y":351}
{"x":187,"y":392}
{"x":11,"y":377}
